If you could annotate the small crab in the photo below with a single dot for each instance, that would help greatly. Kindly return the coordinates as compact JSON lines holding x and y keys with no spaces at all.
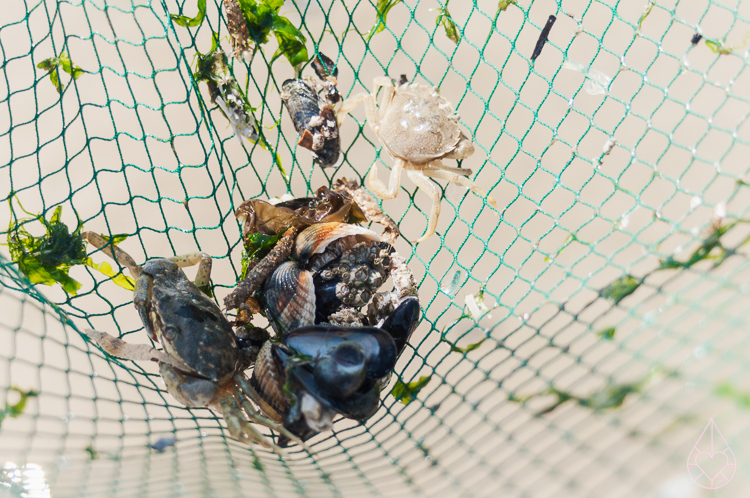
{"x":202,"y":361}
{"x":418,"y":128}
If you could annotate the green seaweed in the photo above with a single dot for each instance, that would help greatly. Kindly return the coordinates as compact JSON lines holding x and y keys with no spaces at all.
{"x":93,"y":454}
{"x":707,"y":250}
{"x":15,"y":410}
{"x":406,"y":393}
{"x":503,"y":5}
{"x":611,"y":397}
{"x":620,"y":288}
{"x":728,"y":390}
{"x":451,"y":28}
{"x":46,"y":259}
{"x":383,"y":7}
{"x":191,"y":22}
{"x":263,"y":17}
{"x":53,"y":64}
{"x":257,"y":246}
{"x":720,"y":47}
{"x":607,"y":333}
{"x":645,"y":14}
{"x":467,"y":349}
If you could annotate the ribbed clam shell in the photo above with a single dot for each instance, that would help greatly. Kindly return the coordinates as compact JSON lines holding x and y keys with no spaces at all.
{"x":268,"y":379}
{"x":314,"y":239}
{"x":290,"y":297}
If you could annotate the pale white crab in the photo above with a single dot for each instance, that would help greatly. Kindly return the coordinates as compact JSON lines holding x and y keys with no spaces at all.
{"x":418,"y":128}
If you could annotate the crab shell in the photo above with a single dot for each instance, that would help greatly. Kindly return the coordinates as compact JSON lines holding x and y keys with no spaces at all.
{"x":419,"y":125}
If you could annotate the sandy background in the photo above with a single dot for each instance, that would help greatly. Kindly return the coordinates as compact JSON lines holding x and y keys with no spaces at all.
{"x":127,"y":145}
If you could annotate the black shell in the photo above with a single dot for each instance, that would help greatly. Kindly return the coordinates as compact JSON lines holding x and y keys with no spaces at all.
{"x":341,"y":372}
{"x":316,"y":341}
{"x":402,"y":322}
{"x":300,"y":378}
{"x":304,"y":105}
{"x":324,"y":66}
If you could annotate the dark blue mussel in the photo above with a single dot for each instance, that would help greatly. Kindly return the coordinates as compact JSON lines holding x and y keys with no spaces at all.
{"x":314,"y":120}
{"x":327,"y":370}
{"x":378,"y":346}
{"x":314,"y":403}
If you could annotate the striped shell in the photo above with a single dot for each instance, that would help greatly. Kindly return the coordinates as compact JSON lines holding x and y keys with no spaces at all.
{"x":316,"y":238}
{"x":268,"y":380}
{"x":290,"y":297}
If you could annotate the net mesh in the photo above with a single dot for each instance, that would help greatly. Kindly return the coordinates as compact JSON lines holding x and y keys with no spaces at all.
{"x":623,"y":145}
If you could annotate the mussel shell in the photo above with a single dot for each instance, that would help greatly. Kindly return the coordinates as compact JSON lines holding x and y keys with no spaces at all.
{"x":402,"y":322}
{"x":316,"y":238}
{"x":359,"y":405}
{"x":326,"y":301}
{"x":290,"y":297}
{"x":324,"y":66}
{"x":316,"y":341}
{"x":341,"y":372}
{"x":304,"y":104}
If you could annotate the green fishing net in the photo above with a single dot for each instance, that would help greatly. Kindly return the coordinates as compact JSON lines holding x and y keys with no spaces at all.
{"x":576,"y":342}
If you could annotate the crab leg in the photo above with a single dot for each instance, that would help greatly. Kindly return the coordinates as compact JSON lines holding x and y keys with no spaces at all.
{"x":373,"y":114}
{"x":204,"y":262}
{"x":378,"y":187}
{"x":238,"y":427}
{"x":446,"y":174}
{"x":419,"y":178}
{"x":349,"y":105}
{"x":256,"y":416}
{"x":113,"y":252}
{"x":135,"y":352}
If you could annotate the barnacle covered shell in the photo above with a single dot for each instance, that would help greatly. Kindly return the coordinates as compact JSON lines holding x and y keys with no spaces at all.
{"x":314,"y":120}
{"x":290,"y":297}
{"x":353,"y":278}
{"x":316,"y":238}
{"x":327,"y":72}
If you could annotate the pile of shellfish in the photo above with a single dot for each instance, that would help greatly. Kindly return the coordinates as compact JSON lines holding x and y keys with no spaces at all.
{"x":336,"y":334}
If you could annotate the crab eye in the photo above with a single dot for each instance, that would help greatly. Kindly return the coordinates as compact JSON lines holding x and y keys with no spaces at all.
{"x":170,"y":332}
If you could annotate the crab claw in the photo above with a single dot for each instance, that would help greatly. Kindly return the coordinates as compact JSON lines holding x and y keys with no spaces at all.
{"x":238,"y":426}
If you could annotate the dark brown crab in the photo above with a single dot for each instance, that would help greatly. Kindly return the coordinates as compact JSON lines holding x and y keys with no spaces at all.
{"x":202,"y":361}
